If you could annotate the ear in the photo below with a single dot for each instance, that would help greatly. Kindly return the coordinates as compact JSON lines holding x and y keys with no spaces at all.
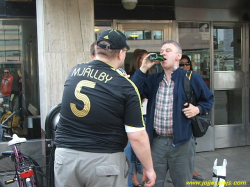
{"x":119,"y":56}
{"x":178,"y":58}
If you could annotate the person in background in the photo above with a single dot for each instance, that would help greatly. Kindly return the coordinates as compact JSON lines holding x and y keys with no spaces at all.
{"x":168,"y":124}
{"x":185,"y":63}
{"x":135,"y":165}
{"x":6,"y":87}
{"x":138,"y":56}
{"x":100,"y":111}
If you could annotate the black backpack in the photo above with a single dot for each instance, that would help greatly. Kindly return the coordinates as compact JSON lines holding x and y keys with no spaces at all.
{"x":200,"y":123}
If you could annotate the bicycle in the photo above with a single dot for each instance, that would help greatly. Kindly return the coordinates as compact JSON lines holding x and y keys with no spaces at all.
{"x":17,"y":169}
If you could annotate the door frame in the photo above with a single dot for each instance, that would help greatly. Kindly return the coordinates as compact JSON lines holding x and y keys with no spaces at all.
{"x":233,"y":135}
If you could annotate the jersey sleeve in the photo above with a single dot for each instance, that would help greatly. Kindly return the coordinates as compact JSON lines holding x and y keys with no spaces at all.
{"x":133,"y":109}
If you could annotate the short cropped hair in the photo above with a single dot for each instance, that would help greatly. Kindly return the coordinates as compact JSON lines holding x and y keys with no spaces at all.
{"x":177,"y":45}
{"x":109,"y":53}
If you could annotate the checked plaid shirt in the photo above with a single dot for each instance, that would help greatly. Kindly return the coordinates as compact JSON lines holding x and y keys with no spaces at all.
{"x":163,"y":119}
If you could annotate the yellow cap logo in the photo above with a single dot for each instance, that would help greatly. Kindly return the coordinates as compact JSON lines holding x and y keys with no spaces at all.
{"x":106,"y":37}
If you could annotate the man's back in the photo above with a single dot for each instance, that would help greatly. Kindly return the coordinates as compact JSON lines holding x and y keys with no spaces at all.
{"x":97,"y":102}
{"x":100,"y":111}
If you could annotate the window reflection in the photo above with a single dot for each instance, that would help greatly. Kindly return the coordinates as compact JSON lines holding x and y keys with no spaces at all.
{"x":9,"y":42}
{"x":157,"y":35}
{"x":138,"y":35}
{"x":227,"y":107}
{"x":194,"y":39}
{"x":143,"y":35}
{"x":18,"y":55}
{"x":227,"y":48}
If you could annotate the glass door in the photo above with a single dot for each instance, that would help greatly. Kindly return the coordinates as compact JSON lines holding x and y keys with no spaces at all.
{"x":229,"y":85}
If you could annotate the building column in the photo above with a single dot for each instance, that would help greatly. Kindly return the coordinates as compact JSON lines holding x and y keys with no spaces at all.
{"x":65,"y":30}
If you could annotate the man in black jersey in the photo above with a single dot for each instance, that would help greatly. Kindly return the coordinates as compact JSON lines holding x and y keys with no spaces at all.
{"x":100,"y":111}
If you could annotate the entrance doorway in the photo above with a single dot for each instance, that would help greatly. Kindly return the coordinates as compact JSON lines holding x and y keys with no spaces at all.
{"x":229,"y":86}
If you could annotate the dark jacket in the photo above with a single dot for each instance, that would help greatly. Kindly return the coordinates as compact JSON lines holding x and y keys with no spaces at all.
{"x":148,"y":86}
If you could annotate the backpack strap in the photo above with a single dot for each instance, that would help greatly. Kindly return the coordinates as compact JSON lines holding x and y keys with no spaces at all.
{"x":187,"y":86}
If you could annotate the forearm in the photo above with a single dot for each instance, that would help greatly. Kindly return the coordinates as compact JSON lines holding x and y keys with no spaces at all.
{"x":140,"y":144}
{"x":144,"y":69}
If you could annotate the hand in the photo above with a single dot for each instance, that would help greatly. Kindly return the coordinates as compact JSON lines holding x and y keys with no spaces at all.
{"x":147,"y":64}
{"x":126,"y":75}
{"x":150,"y":175}
{"x":191,"y":110}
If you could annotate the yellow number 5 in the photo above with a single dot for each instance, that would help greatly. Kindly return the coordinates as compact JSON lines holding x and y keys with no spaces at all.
{"x":83,"y":98}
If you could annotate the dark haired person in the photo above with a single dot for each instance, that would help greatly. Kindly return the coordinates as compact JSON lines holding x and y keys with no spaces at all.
{"x":186,"y":63}
{"x":138,"y":56}
{"x":100,"y":111}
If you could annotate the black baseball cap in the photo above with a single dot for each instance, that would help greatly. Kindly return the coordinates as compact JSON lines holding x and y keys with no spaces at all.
{"x":115,"y":37}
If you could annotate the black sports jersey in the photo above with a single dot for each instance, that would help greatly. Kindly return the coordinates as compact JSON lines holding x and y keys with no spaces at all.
{"x":97,"y":102}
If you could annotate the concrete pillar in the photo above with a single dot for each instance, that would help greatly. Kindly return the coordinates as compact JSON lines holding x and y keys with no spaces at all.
{"x":65,"y":31}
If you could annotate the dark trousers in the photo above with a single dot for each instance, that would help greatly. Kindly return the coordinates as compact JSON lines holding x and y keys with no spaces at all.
{"x":179,"y":161}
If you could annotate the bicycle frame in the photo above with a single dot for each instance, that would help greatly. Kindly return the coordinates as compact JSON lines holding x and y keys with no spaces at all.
{"x":24,"y":171}
{"x":23,"y":167}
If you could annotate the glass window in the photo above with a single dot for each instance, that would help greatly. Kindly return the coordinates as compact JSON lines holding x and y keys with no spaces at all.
{"x":227,"y":48}
{"x":194,"y":39}
{"x":138,"y":35}
{"x":157,"y":35}
{"x":19,"y":72}
{"x":134,"y":35}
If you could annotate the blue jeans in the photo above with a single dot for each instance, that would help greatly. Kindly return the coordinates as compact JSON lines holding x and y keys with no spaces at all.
{"x":128,"y":152}
{"x":134,"y":163}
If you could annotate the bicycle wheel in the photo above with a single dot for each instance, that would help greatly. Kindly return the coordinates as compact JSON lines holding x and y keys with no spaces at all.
{"x":8,"y":172}
{"x":28,"y":184}
{"x":1,"y":184}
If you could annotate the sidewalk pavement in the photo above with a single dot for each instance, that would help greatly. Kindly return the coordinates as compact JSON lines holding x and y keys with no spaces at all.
{"x":238,"y":163}
{"x":238,"y":166}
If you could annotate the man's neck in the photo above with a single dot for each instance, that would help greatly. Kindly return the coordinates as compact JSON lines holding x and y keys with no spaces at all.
{"x":111,"y":62}
{"x":168,"y":72}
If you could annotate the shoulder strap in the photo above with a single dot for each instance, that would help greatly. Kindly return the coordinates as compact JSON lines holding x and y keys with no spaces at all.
{"x":187,"y":86}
